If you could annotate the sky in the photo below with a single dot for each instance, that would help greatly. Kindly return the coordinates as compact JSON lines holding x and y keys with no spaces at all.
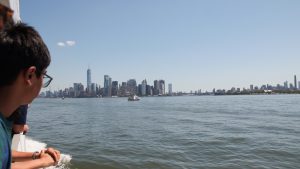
{"x":193,"y":44}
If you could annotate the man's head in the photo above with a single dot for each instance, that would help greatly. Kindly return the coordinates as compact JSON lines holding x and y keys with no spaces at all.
{"x":23,"y":55}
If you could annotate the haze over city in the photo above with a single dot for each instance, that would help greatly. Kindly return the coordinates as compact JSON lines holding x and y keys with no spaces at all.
{"x":191,"y":44}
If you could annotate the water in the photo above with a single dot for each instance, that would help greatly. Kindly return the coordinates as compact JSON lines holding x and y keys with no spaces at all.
{"x":211,"y":132}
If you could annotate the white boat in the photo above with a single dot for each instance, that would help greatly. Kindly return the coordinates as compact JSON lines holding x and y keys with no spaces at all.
{"x":133,"y":98}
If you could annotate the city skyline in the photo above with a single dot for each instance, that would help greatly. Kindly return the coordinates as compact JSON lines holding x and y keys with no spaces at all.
{"x":114,"y":88}
{"x":131,"y":87}
{"x":194,"y":44}
{"x":111,"y":88}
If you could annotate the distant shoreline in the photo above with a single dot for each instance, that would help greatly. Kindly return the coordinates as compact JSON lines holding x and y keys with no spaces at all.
{"x":202,"y":94}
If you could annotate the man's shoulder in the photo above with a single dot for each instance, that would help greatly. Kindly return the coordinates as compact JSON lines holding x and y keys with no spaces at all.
{"x":3,"y":132}
{"x":4,"y":120}
{"x":4,"y":145}
{"x":5,"y":126}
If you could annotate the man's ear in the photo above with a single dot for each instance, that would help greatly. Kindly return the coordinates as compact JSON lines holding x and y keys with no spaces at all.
{"x":29,"y":74}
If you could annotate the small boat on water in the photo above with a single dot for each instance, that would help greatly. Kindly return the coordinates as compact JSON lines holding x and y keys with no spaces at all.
{"x":133,"y":98}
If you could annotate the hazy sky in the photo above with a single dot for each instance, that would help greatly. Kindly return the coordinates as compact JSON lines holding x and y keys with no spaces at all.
{"x":193,"y":44}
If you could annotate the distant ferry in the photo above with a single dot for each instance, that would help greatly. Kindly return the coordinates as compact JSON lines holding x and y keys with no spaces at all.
{"x":133,"y":98}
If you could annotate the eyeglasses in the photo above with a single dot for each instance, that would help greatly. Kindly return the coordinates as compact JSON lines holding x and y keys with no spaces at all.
{"x":46,"y":80}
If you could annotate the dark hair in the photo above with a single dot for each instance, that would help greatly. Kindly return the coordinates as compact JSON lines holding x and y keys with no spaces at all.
{"x":21,"y":46}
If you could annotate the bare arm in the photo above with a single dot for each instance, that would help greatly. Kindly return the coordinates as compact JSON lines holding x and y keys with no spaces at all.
{"x":29,"y":160}
{"x":45,"y":161}
{"x":18,"y":156}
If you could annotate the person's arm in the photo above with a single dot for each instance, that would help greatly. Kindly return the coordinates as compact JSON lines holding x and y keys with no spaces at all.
{"x":29,"y":160}
{"x":18,"y":156}
{"x":45,"y":160}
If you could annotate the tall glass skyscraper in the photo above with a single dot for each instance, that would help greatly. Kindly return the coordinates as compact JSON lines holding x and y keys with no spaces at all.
{"x":170,"y":89}
{"x":114,"y":88}
{"x":161,"y":87}
{"x":295,"y":82}
{"x":144,"y":87}
{"x":156,"y":87}
{"x":89,"y":81}
{"x":107,"y":86}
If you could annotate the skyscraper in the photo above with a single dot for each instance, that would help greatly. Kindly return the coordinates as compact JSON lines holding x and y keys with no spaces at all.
{"x":131,"y":86}
{"x":156,"y":87}
{"x":115,"y":88}
{"x":93,"y":88}
{"x":78,"y":89}
{"x":251,"y":87}
{"x":291,"y":86}
{"x":107,"y":86}
{"x":89,"y":81}
{"x":143,"y":87}
{"x":295,"y":82}
{"x":149,"y":91}
{"x":161,"y":87}
{"x":122,"y":89}
{"x":286,"y":85}
{"x":170,"y":89}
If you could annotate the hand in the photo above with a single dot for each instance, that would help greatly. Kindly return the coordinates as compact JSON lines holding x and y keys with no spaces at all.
{"x":55,"y":154}
{"x":46,"y":159}
{"x":26,"y":128}
{"x":19,"y":128}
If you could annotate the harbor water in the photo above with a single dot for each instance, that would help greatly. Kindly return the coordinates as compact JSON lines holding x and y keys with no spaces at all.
{"x":186,"y":132}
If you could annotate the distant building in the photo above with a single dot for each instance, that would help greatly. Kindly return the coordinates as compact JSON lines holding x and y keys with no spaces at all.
{"x":143,"y":87}
{"x":78,"y":89}
{"x":269,"y":87}
{"x":123,"y":89}
{"x":295,"y":82}
{"x":93,"y":89}
{"x":291,"y":86}
{"x":107,"y":86}
{"x":232,"y":90}
{"x":89,"y":81}
{"x":263,"y":87}
{"x":199,"y":91}
{"x":299,"y":85}
{"x":98,"y":88}
{"x":156,"y":87}
{"x":152,"y":90}
{"x":149,"y":91}
{"x":251,"y":87}
{"x":279,"y":87}
{"x":170,"y":89}
{"x":139,"y":91}
{"x":162,"y":87}
{"x":132,"y":86}
{"x":286,"y":85}
{"x":114,"y":89}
